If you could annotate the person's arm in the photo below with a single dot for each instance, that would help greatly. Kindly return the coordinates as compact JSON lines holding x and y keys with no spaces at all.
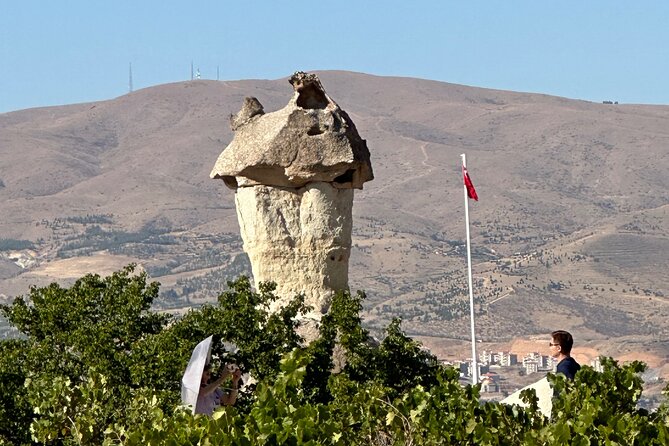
{"x":230,"y":397}
{"x":211,"y":387}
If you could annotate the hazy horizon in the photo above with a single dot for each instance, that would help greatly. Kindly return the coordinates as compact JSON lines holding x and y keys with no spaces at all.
{"x":57,"y":54}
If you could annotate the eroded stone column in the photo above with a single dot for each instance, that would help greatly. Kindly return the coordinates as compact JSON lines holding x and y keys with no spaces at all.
{"x":293,"y":172}
{"x":299,"y":238}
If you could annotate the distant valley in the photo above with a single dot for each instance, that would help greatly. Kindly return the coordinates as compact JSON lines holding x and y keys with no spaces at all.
{"x":571,"y":230}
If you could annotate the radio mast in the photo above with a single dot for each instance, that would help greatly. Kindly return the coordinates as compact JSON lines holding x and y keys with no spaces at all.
{"x":130,"y":78}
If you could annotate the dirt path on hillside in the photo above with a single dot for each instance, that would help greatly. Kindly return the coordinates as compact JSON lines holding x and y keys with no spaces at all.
{"x":76,"y":267}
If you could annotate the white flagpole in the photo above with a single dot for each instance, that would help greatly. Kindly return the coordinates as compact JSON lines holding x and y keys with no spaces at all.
{"x":475,"y":370}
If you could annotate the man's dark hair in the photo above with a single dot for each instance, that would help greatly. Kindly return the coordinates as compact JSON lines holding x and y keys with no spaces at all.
{"x":564,"y":339}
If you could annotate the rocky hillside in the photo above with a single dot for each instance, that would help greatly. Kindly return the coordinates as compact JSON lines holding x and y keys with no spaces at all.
{"x":571,"y":229}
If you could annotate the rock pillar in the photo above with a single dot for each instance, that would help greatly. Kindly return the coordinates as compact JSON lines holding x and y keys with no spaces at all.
{"x":293,"y":172}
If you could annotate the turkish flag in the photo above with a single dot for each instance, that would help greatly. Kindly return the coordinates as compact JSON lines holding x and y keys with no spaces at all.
{"x":471,"y":192}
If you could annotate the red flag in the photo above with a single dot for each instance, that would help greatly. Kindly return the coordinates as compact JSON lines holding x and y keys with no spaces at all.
{"x":471,"y":192}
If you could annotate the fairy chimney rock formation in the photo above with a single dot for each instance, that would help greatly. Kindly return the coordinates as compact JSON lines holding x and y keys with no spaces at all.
{"x":293,"y":172}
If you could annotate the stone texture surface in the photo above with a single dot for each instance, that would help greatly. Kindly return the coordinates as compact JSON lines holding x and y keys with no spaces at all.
{"x":310,"y":139}
{"x":293,"y":172}
{"x":299,"y":238}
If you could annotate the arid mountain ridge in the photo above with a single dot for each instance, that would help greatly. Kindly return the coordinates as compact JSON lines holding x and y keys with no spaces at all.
{"x":571,"y":230}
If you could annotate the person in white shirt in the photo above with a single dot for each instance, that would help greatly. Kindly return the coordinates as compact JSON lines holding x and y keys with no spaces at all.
{"x":211,"y":395}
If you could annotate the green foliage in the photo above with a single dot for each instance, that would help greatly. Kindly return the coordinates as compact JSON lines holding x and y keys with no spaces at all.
{"x":601,"y":408}
{"x":10,"y":244}
{"x":70,"y":413}
{"x":279,"y":415}
{"x":242,"y":317}
{"x":95,"y":238}
{"x":276,"y":417}
{"x":91,"y":219}
{"x":398,"y":362}
{"x":94,"y":349}
{"x":95,"y":366}
{"x":15,"y":411}
{"x":92,"y":324}
{"x":68,"y":331}
{"x":447,"y":413}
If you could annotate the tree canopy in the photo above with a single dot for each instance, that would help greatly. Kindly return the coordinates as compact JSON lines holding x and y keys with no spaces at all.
{"x":95,"y":365}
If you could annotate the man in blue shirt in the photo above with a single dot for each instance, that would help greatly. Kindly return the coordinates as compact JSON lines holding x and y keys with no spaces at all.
{"x":560,"y":348}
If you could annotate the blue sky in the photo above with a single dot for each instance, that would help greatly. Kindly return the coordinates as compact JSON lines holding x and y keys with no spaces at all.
{"x":70,"y":51}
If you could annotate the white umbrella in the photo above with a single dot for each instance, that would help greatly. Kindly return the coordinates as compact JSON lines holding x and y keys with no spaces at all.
{"x":190,"y":383}
{"x":544,"y":393}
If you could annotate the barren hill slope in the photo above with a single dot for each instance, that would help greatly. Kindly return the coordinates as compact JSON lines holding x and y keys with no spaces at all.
{"x":571,"y":229}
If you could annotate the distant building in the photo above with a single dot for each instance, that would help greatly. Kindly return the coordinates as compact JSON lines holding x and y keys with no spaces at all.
{"x":597,"y":365}
{"x":489,"y":385}
{"x":531,"y":366}
{"x":507,"y":359}
{"x":464,"y":368}
{"x":543,"y":362}
{"x":531,"y":357}
{"x":490,"y":382}
{"x":486,"y":357}
{"x":553,"y":363}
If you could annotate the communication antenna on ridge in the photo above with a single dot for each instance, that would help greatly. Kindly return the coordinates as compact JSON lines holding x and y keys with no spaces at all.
{"x":217,"y":73}
{"x":130,"y":78}
{"x":191,"y":70}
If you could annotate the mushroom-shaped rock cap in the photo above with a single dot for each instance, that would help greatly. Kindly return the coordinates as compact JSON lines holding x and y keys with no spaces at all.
{"x":311,"y":139}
